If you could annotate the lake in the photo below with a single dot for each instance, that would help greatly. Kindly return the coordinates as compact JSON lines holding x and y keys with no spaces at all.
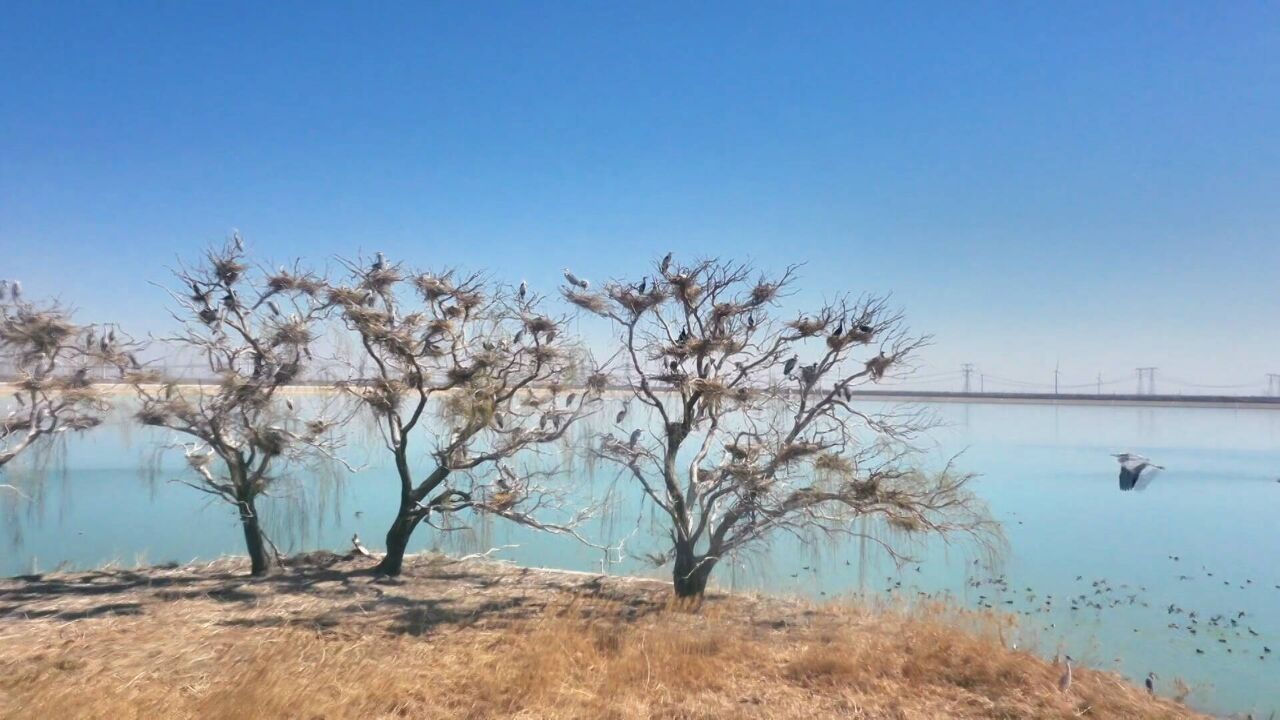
{"x":1203,"y":539}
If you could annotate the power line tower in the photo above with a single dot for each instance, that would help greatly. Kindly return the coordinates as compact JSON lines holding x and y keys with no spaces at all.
{"x":967,"y":369}
{"x":1055,"y":377}
{"x":1147,"y":374}
{"x":1099,"y":383}
{"x":1273,"y":384}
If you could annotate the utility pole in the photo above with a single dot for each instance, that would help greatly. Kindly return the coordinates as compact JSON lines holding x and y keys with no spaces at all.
{"x":1055,"y":377}
{"x":982,"y":382}
{"x":967,"y":369}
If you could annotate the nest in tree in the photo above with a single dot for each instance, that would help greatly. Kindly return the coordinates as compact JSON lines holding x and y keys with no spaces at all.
{"x":598,"y":382}
{"x":83,"y":422}
{"x":834,"y":463}
{"x":764,"y":292}
{"x":431,"y":287}
{"x":143,"y":377}
{"x":687,"y":289}
{"x":383,"y":395}
{"x":153,"y":414}
{"x":501,"y":501}
{"x":347,"y":297}
{"x":270,"y":441}
{"x":35,"y":333}
{"x":316,"y":428}
{"x":468,"y":300}
{"x":589,"y":301}
{"x":711,"y":388}
{"x":638,"y":303}
{"x":865,"y":490}
{"x":381,"y":280}
{"x":459,"y":374}
{"x":792,"y":452}
{"x":228,"y":270}
{"x":466,"y":408}
{"x":539,"y":323}
{"x":295,"y":334}
{"x":284,"y":282}
{"x":806,"y":327}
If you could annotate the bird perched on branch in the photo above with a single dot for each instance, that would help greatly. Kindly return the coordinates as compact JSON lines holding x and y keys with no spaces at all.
{"x":666,"y":264}
{"x":790,"y":365}
{"x":877,"y":365}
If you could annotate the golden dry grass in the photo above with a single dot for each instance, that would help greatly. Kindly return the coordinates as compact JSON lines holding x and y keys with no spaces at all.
{"x":481,"y":640}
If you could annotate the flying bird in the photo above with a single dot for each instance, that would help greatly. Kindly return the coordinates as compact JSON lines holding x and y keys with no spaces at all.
{"x":1136,"y":471}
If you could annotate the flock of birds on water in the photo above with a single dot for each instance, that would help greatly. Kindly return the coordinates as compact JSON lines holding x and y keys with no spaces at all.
{"x":1230,"y":632}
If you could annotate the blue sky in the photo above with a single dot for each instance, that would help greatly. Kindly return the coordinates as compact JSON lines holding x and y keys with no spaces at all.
{"x":1096,"y":184}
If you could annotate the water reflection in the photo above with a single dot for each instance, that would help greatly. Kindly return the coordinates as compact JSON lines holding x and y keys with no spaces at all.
{"x":1134,"y":566}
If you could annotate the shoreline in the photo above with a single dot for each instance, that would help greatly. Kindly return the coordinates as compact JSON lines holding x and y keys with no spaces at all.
{"x":497,"y":640}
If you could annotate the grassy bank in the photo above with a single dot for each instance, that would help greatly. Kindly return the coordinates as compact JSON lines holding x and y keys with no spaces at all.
{"x":477,"y":639}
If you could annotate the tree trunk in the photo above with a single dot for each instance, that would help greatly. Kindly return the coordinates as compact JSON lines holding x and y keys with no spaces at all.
{"x":691,"y":572}
{"x":261,"y":559}
{"x":397,"y":541}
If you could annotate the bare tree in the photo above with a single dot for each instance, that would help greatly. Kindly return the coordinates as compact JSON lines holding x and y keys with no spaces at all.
{"x":253,"y":331}
{"x":475,"y":369}
{"x":55,"y":365}
{"x":747,"y":424}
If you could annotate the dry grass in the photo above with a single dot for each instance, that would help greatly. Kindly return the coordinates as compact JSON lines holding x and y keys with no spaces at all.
{"x":482,"y":640}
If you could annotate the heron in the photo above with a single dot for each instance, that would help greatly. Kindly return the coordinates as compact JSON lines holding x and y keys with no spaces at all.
{"x":622,"y":414}
{"x":684,"y":336}
{"x":790,"y":365}
{"x":635,"y":438}
{"x":751,"y":321}
{"x":666,"y":264}
{"x":524,"y":289}
{"x":359,"y":548}
{"x":644,"y":282}
{"x":1151,"y":683}
{"x":1064,"y":682}
{"x":239,"y":241}
{"x":569,"y":400}
{"x":275,"y":309}
{"x":379,"y":261}
{"x":839,"y":330}
{"x":15,"y":291}
{"x":575,"y":280}
{"x":1136,"y":471}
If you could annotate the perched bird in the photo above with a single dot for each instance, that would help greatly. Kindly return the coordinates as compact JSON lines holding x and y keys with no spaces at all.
{"x":644,"y":282}
{"x":569,"y":400}
{"x":666,"y":264}
{"x":751,"y":321}
{"x":839,"y":329}
{"x":1064,"y":682}
{"x":498,"y":420}
{"x":15,"y":291}
{"x":790,"y":365}
{"x":635,"y":438}
{"x":359,"y":548}
{"x":524,"y":289}
{"x":239,"y":241}
{"x":379,"y":261}
{"x":684,"y":336}
{"x":1136,"y":471}
{"x":1151,"y":683}
{"x":275,"y":309}
{"x":622,"y":414}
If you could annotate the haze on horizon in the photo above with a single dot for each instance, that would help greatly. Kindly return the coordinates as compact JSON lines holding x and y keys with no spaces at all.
{"x":1091,"y":185}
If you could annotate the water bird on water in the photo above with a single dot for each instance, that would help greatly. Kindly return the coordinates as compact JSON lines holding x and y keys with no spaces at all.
{"x":1136,"y":471}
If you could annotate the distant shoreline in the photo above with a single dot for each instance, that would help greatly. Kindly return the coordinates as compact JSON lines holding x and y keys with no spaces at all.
{"x":1236,"y":402}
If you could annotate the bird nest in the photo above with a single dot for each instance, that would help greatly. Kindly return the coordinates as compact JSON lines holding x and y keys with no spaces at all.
{"x":295,"y":334}
{"x":284,"y":282}
{"x":539,"y":323}
{"x":228,"y":270}
{"x":597,"y":382}
{"x":591,"y":302}
{"x":807,"y":327}
{"x":431,"y":287}
{"x":905,"y":523}
{"x":35,"y":333}
{"x":834,"y":463}
{"x":500,"y":501}
{"x":270,"y":441}
{"x":638,"y":303}
{"x":792,"y":452}
{"x":380,"y":280}
{"x":687,"y":289}
{"x":347,"y":297}
{"x":711,"y":388}
{"x":544,"y":353}
{"x":764,"y":292}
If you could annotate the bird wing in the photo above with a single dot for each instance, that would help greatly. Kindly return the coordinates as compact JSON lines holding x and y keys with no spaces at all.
{"x":1128,"y":478}
{"x":1145,"y":474}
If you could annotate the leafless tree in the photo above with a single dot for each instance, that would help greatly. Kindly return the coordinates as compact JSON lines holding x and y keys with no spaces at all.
{"x":475,"y":370}
{"x":56,"y":367}
{"x":749,"y":425}
{"x":253,"y":329}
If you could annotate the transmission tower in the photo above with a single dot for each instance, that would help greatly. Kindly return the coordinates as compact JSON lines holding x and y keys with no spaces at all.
{"x":1273,"y":384}
{"x":1149,"y":375}
{"x":967,"y":369}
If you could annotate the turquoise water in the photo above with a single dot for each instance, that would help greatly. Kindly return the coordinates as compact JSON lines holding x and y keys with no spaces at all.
{"x":1044,"y":470}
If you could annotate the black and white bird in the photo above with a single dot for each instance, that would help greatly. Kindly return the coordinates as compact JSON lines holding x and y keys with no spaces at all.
{"x":524,"y":289}
{"x":1151,"y":683}
{"x":1136,"y":471}
{"x":379,"y":261}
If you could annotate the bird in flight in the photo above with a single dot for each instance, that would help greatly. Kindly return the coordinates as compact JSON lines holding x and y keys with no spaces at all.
{"x":1136,"y":471}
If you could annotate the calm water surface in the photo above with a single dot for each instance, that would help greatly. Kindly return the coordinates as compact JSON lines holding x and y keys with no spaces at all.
{"x":1045,"y":472}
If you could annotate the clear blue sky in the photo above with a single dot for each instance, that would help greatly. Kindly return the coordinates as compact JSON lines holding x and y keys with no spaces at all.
{"x":1091,"y":183}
